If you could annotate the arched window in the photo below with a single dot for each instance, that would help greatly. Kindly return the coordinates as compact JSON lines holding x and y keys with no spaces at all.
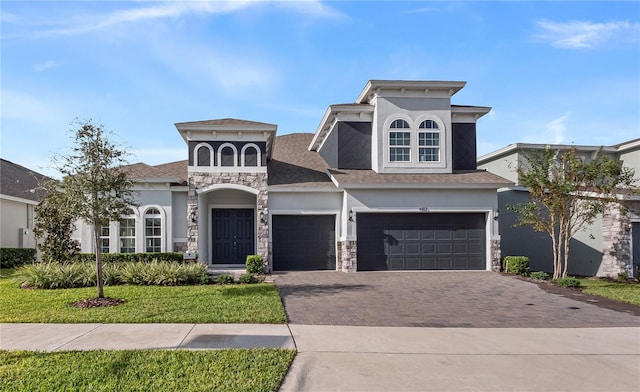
{"x":428,"y":142}
{"x":399,"y":141}
{"x":128,"y":233}
{"x":251,"y":155}
{"x":203,"y":155}
{"x":153,"y":230}
{"x":227,"y":155}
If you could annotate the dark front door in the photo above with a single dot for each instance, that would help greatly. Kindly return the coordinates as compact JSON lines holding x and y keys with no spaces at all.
{"x":233,"y":235}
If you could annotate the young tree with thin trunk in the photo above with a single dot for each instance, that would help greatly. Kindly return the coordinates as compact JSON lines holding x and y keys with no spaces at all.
{"x":94,"y":184}
{"x":567,"y":193}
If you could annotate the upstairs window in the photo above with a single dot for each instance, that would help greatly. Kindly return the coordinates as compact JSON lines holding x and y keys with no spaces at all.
{"x":227,"y":155}
{"x":429,"y":142}
{"x":250,"y":156}
{"x":400,"y":142}
{"x":153,"y":230}
{"x":203,"y":156}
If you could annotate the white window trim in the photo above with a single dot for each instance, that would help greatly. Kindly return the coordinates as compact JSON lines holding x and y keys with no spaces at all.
{"x":235,"y":154}
{"x":258,"y":155}
{"x":196,"y":150}
{"x":136,"y":218}
{"x":163,"y":227}
{"x":387,"y":145}
{"x":441,"y":130}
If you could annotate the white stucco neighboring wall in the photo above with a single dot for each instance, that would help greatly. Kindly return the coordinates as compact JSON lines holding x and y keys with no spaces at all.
{"x":16,"y":214}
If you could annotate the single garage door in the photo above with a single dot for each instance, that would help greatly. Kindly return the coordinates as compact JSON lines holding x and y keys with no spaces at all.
{"x":304,"y":242}
{"x":421,"y":241}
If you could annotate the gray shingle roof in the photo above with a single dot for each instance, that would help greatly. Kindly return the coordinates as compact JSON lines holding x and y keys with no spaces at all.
{"x":224,"y":121}
{"x":292,"y":164}
{"x":470,"y":178}
{"x":18,"y":181}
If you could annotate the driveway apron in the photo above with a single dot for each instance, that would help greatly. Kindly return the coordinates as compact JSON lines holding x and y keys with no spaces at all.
{"x":465,"y":299}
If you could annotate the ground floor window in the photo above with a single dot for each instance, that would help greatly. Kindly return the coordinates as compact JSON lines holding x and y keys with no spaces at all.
{"x":104,"y":239}
{"x":153,"y":230}
{"x":128,"y":235}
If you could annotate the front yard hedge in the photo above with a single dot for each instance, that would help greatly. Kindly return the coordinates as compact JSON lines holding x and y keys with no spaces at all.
{"x":131,"y":257}
{"x":15,"y":257}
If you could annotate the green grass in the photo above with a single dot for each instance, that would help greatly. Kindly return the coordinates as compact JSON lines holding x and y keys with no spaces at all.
{"x":220,"y":370}
{"x":620,"y":291}
{"x":256,"y":303}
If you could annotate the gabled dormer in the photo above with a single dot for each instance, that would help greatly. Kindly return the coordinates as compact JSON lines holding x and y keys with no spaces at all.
{"x":401,"y":127}
{"x":228,"y":145}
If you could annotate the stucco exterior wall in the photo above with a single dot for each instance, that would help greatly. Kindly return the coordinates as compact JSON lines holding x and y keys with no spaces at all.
{"x":388,"y":109}
{"x":15,"y":215}
{"x":505,"y":167}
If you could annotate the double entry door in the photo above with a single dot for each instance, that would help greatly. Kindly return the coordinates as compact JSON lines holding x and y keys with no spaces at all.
{"x":233,"y":235}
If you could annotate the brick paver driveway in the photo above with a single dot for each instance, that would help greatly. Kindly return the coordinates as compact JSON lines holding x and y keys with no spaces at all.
{"x":441,"y":299}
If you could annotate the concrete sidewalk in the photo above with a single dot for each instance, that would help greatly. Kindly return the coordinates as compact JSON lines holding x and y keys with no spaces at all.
{"x":343,"y":358}
{"x":61,"y":337}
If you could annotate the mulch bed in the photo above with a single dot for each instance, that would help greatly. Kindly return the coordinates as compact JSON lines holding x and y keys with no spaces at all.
{"x":97,"y":302}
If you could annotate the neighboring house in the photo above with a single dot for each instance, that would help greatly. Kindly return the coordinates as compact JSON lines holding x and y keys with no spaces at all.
{"x":387,"y":182}
{"x":611,"y":245}
{"x":20,"y":192}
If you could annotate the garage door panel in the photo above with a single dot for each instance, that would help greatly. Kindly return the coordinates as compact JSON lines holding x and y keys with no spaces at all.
{"x":421,"y":241}
{"x":303,"y":242}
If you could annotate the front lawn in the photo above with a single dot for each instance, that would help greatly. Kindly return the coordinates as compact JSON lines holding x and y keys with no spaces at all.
{"x":180,"y":370}
{"x":256,"y":303}
{"x":620,"y":291}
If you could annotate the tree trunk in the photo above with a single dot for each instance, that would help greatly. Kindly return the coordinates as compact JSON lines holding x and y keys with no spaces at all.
{"x":99,"y":277}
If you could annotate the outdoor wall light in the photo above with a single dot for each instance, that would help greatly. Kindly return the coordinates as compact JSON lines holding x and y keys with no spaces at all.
{"x":351,"y":216}
{"x":263,"y":218}
{"x":496,"y":215}
{"x":193,"y":217}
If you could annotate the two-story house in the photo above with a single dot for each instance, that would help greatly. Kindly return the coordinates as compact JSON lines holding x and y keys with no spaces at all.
{"x":388,"y":182}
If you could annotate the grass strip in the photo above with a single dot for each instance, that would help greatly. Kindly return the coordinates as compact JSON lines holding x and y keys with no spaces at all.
{"x":255,"y":304}
{"x":140,"y":370}
{"x":620,"y":291}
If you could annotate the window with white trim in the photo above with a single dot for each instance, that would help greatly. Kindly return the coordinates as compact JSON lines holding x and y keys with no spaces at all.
{"x":227,"y":156}
{"x":399,"y":142}
{"x":251,"y":156}
{"x":128,"y":233}
{"x":104,"y":239}
{"x":429,"y":142}
{"x":203,"y":156}
{"x":153,"y":230}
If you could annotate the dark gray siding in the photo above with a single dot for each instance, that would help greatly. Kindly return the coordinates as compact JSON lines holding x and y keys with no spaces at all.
{"x":329,"y":149}
{"x":354,"y":145}
{"x":464,"y":146}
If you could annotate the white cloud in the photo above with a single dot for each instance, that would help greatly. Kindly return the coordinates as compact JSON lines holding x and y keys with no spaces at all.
{"x":556,"y":128}
{"x":45,"y":65}
{"x":586,"y":34}
{"x":170,"y":9}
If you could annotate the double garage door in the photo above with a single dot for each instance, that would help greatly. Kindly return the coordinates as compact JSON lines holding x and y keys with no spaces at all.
{"x":389,"y":241}
{"x":421,"y":241}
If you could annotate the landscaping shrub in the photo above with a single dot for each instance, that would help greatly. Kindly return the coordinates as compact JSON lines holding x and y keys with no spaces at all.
{"x":225,"y":279}
{"x":518,"y":265}
{"x":622,"y":276}
{"x":73,"y":275}
{"x":569,"y":281}
{"x":249,"y":278}
{"x":255,"y":264}
{"x":15,"y":257}
{"x":132,"y":257}
{"x":540,"y":275}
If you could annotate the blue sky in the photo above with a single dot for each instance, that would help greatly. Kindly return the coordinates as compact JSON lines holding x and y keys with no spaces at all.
{"x":554,"y":72}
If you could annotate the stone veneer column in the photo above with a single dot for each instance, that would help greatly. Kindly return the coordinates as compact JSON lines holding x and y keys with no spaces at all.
{"x":256,"y":181}
{"x":616,"y":238}
{"x":496,"y":255}
{"x":347,"y":256}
